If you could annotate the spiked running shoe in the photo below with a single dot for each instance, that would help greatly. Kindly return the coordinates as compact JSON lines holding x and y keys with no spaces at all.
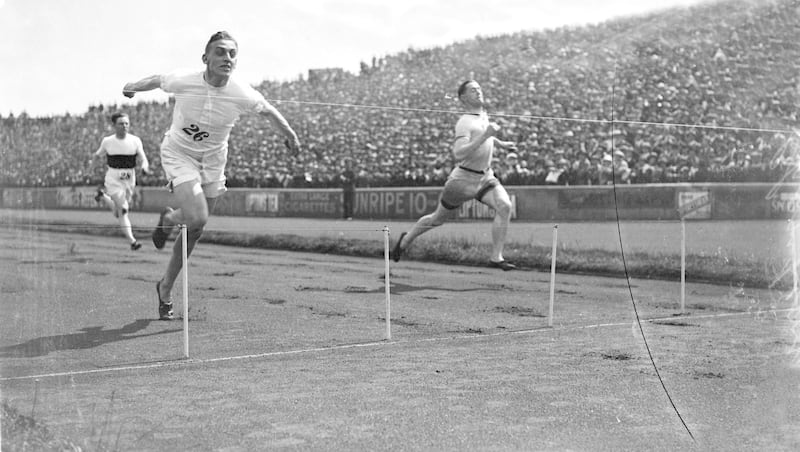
{"x":397,"y":252}
{"x":135,"y":246}
{"x":99,"y":195}
{"x":162,"y":231}
{"x":164,"y":309}
{"x":504,"y":265}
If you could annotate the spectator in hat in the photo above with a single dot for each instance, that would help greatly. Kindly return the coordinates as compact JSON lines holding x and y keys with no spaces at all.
{"x":651,"y":171}
{"x":637,"y":172}
{"x":513,"y":174}
{"x":271,"y":180}
{"x":605,"y":170}
{"x":581,"y":174}
{"x":538,"y":173}
{"x":622,"y":173}
{"x":699,"y":173}
{"x":557,"y":172}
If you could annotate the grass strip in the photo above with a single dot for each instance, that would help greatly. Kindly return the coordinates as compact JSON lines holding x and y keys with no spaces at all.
{"x":718,"y":268}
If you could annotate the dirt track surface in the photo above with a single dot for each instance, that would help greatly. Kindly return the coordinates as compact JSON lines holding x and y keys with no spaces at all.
{"x":288,"y":351}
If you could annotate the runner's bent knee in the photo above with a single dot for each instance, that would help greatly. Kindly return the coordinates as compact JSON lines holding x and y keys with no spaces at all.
{"x":195,"y":231}
{"x":503,"y":208}
{"x":195,"y":218}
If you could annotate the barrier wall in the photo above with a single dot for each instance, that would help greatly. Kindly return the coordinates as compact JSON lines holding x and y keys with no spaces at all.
{"x":530,"y":203}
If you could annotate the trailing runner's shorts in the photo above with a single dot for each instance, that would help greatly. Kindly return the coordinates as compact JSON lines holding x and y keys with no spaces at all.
{"x":119,"y":183}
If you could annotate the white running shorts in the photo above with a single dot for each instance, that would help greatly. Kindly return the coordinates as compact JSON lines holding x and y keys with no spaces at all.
{"x":183,"y":166}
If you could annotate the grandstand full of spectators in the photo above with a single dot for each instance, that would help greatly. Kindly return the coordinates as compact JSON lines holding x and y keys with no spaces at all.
{"x":701,"y":94}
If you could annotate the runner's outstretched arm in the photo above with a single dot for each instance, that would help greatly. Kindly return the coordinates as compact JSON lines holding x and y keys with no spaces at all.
{"x":146,"y":84}
{"x":276,"y":118}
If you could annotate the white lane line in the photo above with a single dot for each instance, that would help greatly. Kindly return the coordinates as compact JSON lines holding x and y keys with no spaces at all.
{"x":183,"y":362}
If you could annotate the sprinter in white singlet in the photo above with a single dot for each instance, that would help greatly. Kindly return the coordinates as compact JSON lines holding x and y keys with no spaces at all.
{"x":195,"y":149}
{"x":471,"y":178}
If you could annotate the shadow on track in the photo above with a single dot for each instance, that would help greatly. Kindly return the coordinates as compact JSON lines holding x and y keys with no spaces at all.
{"x":89,"y":337}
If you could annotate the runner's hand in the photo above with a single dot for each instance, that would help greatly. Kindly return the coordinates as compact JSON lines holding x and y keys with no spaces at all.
{"x":292,"y":144}
{"x":492,"y":129}
{"x":127,"y":91}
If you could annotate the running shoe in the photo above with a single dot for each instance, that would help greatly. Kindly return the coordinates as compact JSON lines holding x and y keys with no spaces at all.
{"x":504,"y":265}
{"x":161,"y":233}
{"x":164,"y":309}
{"x":99,"y":195}
{"x":135,"y":245}
{"x":397,"y":252}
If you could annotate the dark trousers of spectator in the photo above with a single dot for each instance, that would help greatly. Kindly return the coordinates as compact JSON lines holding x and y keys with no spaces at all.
{"x":348,"y":201}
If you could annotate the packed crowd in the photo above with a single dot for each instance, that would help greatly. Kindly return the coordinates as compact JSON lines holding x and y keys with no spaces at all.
{"x":705,"y":94}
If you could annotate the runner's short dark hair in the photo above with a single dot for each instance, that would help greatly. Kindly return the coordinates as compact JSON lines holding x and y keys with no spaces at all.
{"x":118,"y":115}
{"x":220,"y":35}
{"x":463,"y":86}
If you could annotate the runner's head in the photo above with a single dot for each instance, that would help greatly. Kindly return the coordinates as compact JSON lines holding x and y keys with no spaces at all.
{"x":218,"y":36}
{"x":121,"y":123}
{"x":470,"y":94}
{"x":221,"y":54}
